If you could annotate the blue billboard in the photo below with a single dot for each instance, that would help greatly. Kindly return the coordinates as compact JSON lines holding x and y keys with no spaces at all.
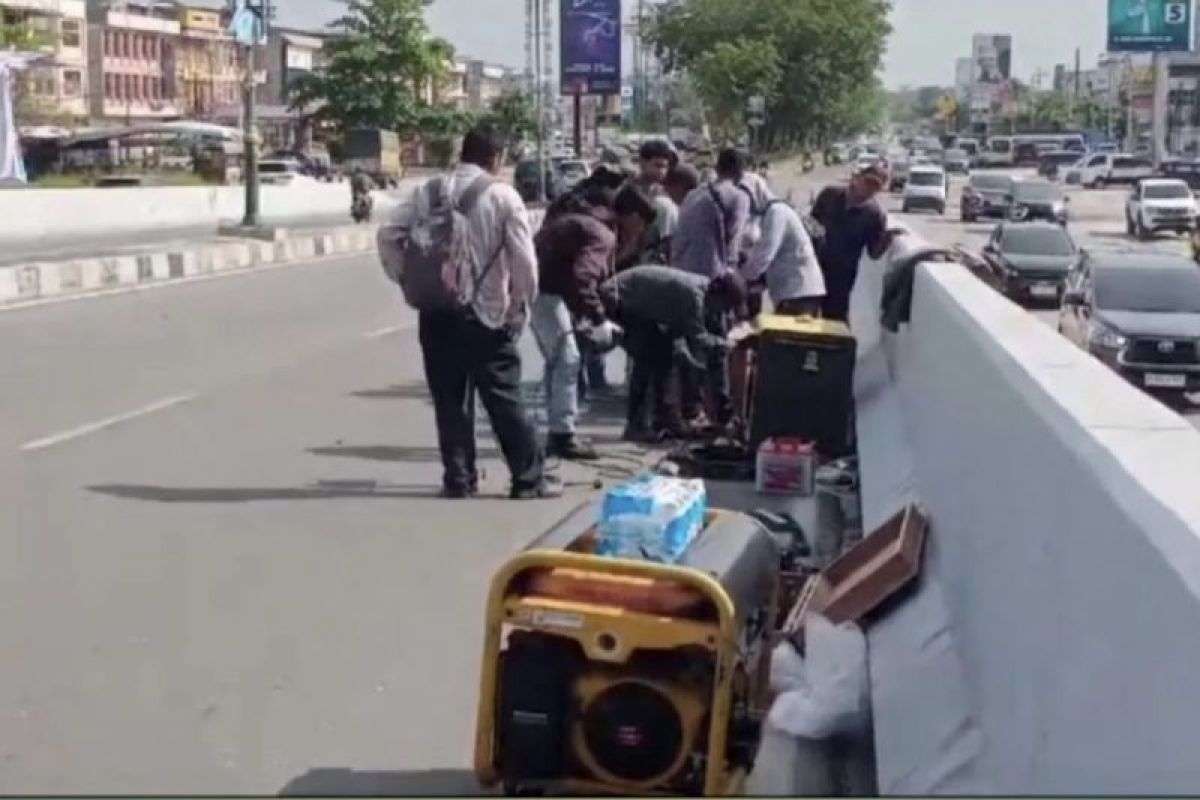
{"x":590,"y":46}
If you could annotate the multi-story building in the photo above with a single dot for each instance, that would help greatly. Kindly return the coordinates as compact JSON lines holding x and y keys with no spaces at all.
{"x":132,"y":46}
{"x":55,"y":91}
{"x":208,"y":64}
{"x":472,"y":85}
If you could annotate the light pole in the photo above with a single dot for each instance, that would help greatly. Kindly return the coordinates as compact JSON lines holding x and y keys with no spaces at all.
{"x":249,"y":28}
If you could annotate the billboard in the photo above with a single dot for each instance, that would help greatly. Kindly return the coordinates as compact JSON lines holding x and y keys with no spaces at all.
{"x":992,"y":57}
{"x":1142,"y":26}
{"x":590,"y":46}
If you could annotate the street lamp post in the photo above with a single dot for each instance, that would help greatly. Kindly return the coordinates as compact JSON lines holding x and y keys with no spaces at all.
{"x":250,"y":144}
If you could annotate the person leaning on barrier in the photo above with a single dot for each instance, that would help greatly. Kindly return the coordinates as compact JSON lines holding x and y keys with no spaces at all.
{"x":854,"y":224}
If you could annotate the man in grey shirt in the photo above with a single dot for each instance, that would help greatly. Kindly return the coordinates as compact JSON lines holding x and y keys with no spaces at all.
{"x":712,"y":220}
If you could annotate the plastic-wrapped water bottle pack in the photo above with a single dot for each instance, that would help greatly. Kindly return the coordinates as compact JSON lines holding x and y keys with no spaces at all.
{"x":651,"y":517}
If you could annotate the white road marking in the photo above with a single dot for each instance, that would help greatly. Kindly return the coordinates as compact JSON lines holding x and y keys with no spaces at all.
{"x":99,"y":425}
{"x":382,"y":332}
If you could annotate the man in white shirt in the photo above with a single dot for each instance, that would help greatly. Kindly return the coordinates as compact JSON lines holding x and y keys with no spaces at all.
{"x":475,"y":349}
{"x":782,"y":251}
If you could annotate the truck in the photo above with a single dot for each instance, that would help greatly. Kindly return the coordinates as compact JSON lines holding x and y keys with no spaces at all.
{"x":375,"y":152}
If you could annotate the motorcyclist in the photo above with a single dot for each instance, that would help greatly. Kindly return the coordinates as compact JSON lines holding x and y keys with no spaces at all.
{"x":361,"y":203}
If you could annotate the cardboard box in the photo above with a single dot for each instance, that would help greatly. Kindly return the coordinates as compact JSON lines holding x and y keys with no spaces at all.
{"x":868,"y":574}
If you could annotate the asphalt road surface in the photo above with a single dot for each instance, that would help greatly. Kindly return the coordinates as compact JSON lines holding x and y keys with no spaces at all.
{"x":224,"y":568}
{"x":1097,"y":223}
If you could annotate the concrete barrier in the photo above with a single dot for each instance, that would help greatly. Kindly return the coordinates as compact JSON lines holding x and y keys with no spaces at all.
{"x":1051,"y":646}
{"x":30,"y":216}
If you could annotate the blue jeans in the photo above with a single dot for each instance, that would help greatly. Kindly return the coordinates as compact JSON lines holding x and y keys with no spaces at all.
{"x":555,"y":336}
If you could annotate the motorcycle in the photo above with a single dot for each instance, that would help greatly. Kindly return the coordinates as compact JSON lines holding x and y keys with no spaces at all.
{"x":361,"y":207}
{"x":807,"y":164}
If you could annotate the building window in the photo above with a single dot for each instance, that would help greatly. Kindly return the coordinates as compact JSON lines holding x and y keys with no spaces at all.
{"x":127,"y":90}
{"x":72,"y":83}
{"x":71,"y":33}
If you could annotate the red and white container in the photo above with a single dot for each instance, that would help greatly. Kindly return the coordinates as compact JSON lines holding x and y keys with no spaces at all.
{"x":785,"y":466}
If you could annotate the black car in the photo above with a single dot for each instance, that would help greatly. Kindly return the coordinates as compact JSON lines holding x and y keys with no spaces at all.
{"x":1055,"y":160}
{"x":1037,"y":199}
{"x":1029,"y":261}
{"x":1139,"y":313}
{"x":525,"y":178}
{"x":985,"y":195}
{"x":1185,"y":169}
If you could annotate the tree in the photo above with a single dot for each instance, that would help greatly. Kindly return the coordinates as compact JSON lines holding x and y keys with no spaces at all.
{"x":826,"y":51}
{"x":512,"y":112}
{"x":729,"y":74}
{"x":381,"y":66}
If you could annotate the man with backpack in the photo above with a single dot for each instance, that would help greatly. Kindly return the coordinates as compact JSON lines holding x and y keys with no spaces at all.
{"x":465,"y":258}
{"x":783,"y":255}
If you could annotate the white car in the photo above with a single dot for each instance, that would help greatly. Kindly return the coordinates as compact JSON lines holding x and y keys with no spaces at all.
{"x":927,"y":188}
{"x":1160,"y":204}
{"x":282,"y":172}
{"x":863,"y":162}
{"x":1102,"y":169}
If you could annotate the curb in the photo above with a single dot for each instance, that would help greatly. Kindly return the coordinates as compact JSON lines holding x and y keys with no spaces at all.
{"x":28,"y":283}
{"x":25,"y":283}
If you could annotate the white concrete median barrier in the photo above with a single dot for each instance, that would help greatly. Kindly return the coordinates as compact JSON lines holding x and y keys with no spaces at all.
{"x":1050,"y":647}
{"x":28,"y":283}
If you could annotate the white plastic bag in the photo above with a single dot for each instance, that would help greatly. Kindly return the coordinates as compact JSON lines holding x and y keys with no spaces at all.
{"x":787,"y":669}
{"x":394,"y":228}
{"x":831,"y":696}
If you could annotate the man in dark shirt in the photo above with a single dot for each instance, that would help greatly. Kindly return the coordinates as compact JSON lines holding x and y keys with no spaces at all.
{"x":853,"y":223}
{"x":664,"y":312}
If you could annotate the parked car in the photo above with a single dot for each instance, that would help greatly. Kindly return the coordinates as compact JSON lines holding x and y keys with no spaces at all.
{"x":525,"y":179}
{"x":572,"y":171}
{"x":1102,"y":169}
{"x":957,"y":161}
{"x":1139,"y":313}
{"x":927,"y":188}
{"x":985,"y":195}
{"x":1036,"y":199}
{"x":1029,"y":261}
{"x":1054,"y":161}
{"x":1160,"y":204}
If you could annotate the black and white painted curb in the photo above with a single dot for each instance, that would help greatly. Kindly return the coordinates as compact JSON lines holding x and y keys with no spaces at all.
{"x":25,"y":283}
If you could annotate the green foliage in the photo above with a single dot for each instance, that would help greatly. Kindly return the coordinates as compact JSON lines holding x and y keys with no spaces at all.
{"x":513,"y":114}
{"x":22,"y":37}
{"x":380,"y":65}
{"x":731,"y":72}
{"x":825,"y":52}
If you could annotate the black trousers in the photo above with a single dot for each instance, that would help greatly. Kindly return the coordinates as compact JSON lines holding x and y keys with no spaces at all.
{"x":652,"y":354}
{"x":714,"y":377}
{"x":464,"y":357}
{"x":800,"y":306}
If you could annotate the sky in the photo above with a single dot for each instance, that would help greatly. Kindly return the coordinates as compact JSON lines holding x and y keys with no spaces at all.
{"x":929,"y":34}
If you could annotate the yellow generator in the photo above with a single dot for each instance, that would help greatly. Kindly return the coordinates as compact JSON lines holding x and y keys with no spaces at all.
{"x":623,"y":677}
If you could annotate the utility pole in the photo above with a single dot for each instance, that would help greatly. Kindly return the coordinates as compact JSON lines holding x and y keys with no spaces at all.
{"x":540,"y":98}
{"x":249,"y":28}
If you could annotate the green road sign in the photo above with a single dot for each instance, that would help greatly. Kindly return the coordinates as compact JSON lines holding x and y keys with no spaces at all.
{"x":1141,"y":26}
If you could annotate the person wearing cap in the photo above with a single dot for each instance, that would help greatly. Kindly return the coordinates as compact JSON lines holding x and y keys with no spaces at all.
{"x":854,"y":223}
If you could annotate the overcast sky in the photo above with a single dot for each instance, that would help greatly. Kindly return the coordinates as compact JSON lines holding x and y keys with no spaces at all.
{"x":929,"y":34}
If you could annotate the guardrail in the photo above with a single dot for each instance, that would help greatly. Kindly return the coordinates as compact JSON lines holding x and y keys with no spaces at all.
{"x":1051,"y":646}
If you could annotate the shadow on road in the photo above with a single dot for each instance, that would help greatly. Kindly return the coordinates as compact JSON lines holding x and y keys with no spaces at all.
{"x":353,"y":783}
{"x":393,"y":453}
{"x":322,"y":490}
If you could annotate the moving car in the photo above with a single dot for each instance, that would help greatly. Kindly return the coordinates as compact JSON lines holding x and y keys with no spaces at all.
{"x":1185,"y":169}
{"x":1037,"y":199}
{"x":957,"y":160}
{"x":1139,"y":313}
{"x":282,"y":172}
{"x":862,"y":162}
{"x":927,"y":188}
{"x":1072,"y":175}
{"x":1055,"y":161}
{"x":1160,"y":204}
{"x":1102,"y":169}
{"x":985,"y":195}
{"x":899,"y":174}
{"x":1029,"y":261}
